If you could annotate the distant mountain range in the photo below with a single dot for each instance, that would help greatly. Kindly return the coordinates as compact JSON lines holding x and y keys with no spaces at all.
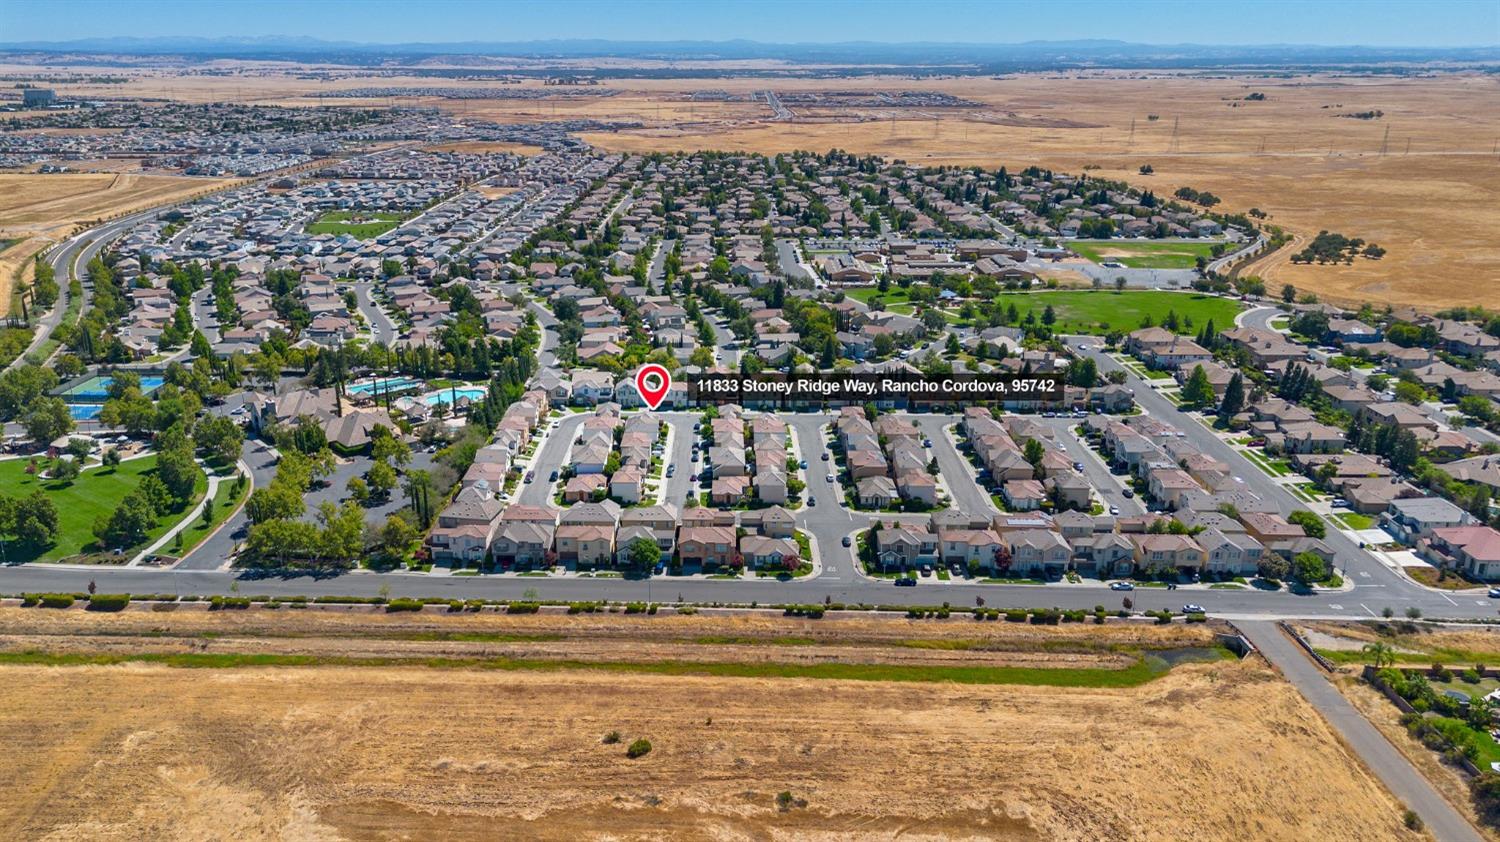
{"x":969,"y":57}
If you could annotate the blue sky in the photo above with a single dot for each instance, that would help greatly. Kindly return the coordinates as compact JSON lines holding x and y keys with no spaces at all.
{"x":1433,"y":23}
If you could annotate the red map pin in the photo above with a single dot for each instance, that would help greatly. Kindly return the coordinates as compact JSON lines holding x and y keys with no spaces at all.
{"x":653,"y":381}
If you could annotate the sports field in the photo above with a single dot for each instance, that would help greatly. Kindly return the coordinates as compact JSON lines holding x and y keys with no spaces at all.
{"x":361,"y":224}
{"x":1101,"y":311}
{"x":1138,"y":254}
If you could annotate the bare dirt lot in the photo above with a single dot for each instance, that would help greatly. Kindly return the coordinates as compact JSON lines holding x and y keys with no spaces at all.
{"x":1222,"y":750}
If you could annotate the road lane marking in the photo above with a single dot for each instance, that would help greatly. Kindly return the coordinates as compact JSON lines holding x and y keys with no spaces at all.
{"x":1447,"y":597}
{"x":1367,"y":610}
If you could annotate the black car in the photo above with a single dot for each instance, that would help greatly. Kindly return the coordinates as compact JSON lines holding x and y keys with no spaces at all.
{"x":905,"y":582}
{"x":847,"y":542}
{"x":553,"y":478}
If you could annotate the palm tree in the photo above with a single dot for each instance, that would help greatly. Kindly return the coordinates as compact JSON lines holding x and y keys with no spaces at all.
{"x":1380,"y":654}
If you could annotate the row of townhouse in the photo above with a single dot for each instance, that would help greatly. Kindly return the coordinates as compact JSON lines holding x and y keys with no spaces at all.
{"x":466,"y":526}
{"x":998,"y":448}
{"x":1037,"y":544}
{"x":746,"y":456}
{"x":886,"y":460}
{"x":1199,"y":489}
{"x":603,"y":534}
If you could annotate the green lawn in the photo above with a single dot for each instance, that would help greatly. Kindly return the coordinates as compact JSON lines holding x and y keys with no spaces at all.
{"x":97,"y":491}
{"x":362,"y":224}
{"x":1144,"y":254}
{"x":1355,"y":520}
{"x":1100,"y":311}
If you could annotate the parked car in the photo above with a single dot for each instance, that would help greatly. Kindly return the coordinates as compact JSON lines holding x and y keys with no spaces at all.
{"x":1078,"y":466}
{"x":830,"y":477}
{"x":846,"y":542}
{"x":1121,"y":586}
{"x":1191,"y":608}
{"x":695,"y":456}
{"x":1129,"y":493}
{"x":530,"y":475}
{"x":904,"y":582}
{"x":553,"y":477}
{"x":1340,"y":503}
{"x":1494,"y":593}
{"x":825,"y":457}
{"x":1114,"y":510}
{"x":926,"y":569}
{"x":802,"y":464}
{"x":927,"y":442}
{"x":812,"y":501}
{"x":671,"y":470}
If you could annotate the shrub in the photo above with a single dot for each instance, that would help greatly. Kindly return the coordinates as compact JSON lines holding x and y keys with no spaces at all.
{"x":217,"y":602}
{"x":57,"y":600}
{"x":611,"y":738}
{"x":522,"y":608}
{"x":639,"y":748}
{"x":635,"y":608}
{"x":29,"y":599}
{"x":686,"y":610}
{"x":1412,"y":820}
{"x":1470,"y":676}
{"x":1195,"y":617}
{"x":404,"y":604}
{"x":108,"y":601}
{"x":1015,"y":615}
{"x":1045,"y":616}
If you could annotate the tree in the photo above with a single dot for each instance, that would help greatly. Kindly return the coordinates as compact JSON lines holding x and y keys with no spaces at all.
{"x":381,"y":478}
{"x":1033,"y":451}
{"x":1274,"y":566}
{"x":1234,"y":397}
{"x":178,"y":472}
{"x":1409,"y":392}
{"x":419,"y":490}
{"x":128,"y":524}
{"x":358,"y":490}
{"x":1289,"y":293}
{"x":220,"y":437}
{"x":64,"y":470}
{"x":47,"y":419}
{"x":277,"y":501}
{"x":644,"y":554}
{"x":386,"y":447}
{"x":1310,"y":523}
{"x":1197,"y":392}
{"x":1309,"y":568}
{"x":343,"y":533}
{"x":1380,"y":654}
{"x":30,"y":520}
{"x":396,"y":536}
{"x":112,"y":458}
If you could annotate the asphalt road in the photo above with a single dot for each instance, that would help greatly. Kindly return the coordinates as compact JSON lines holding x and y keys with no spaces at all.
{"x":75,"y":253}
{"x":381,"y":326}
{"x":1384,"y":759}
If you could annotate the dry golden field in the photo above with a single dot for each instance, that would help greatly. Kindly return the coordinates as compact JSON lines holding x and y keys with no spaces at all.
{"x":40,"y":210}
{"x":1224,"y":750}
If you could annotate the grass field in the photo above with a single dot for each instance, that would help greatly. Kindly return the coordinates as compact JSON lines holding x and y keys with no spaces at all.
{"x":1100,"y":311}
{"x":362,"y":224}
{"x":97,"y":491}
{"x":1139,"y":254}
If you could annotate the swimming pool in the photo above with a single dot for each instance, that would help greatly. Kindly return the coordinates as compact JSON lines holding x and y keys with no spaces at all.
{"x":389,"y":384}
{"x":473,"y":393}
